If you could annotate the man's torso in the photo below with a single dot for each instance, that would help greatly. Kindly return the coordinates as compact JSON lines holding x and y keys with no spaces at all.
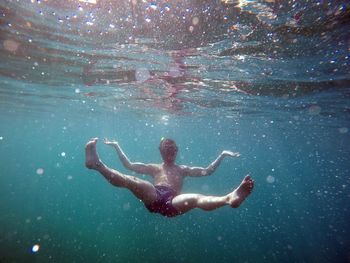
{"x":170,"y":176}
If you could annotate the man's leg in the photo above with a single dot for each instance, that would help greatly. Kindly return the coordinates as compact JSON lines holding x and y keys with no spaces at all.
{"x":142,"y":189}
{"x":186,"y":202}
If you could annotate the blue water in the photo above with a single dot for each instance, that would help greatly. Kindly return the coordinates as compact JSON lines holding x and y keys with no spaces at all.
{"x":71,"y":71}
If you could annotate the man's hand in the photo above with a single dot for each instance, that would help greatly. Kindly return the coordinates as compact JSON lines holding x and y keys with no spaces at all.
{"x":113,"y":143}
{"x":230,"y":154}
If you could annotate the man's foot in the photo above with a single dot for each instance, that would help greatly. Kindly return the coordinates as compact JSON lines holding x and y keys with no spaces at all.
{"x":92,"y":160}
{"x":241,"y":192}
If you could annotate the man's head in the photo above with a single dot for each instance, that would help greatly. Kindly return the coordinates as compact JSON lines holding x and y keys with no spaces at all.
{"x":168,"y":150}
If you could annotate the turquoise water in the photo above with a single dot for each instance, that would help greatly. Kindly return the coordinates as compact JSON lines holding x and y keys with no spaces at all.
{"x":281,"y":101}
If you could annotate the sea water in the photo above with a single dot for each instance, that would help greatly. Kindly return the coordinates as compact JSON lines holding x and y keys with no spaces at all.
{"x":286,"y":111}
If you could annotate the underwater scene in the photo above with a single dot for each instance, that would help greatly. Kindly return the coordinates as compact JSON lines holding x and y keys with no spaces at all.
{"x":268,"y":79}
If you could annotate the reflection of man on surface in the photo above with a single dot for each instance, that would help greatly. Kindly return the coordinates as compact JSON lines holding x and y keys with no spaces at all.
{"x":161,"y":88}
{"x":163,"y":196}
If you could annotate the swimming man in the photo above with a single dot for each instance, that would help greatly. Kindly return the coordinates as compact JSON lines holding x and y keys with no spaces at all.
{"x":163,"y":196}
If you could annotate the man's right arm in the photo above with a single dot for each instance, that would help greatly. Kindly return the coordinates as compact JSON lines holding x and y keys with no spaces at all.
{"x":138,"y":167}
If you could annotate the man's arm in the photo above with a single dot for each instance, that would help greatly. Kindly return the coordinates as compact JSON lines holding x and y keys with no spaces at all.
{"x":200,"y":171}
{"x":137,"y":167}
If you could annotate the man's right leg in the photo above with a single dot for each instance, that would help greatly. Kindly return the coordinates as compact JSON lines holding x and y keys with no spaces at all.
{"x":186,"y":202}
{"x":142,"y":189}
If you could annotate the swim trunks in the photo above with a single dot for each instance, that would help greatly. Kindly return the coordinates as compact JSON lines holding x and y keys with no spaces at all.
{"x":163,"y":204}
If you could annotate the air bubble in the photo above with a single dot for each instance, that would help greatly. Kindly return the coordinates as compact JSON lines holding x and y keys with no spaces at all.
{"x":314,"y":110}
{"x":270,"y":179}
{"x":342,"y":130}
{"x":195,"y":21}
{"x":11,"y":45}
{"x":126,"y":206}
{"x":153,"y":6}
{"x":35,"y":248}
{"x":40,"y":171}
{"x":142,"y":74}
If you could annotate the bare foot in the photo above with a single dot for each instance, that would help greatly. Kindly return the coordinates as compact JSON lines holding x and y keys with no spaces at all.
{"x":241,"y":192}
{"x":92,"y":160}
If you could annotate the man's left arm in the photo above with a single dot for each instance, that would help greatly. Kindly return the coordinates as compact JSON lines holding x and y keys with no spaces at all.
{"x":200,"y":171}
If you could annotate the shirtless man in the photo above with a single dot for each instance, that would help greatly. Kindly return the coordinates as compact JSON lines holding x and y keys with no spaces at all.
{"x":163,"y":196}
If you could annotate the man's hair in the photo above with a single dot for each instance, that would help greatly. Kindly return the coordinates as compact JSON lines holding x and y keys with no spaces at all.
{"x":165,"y":141}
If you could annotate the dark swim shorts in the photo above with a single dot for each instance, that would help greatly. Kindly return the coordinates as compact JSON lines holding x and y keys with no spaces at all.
{"x":163,"y":203}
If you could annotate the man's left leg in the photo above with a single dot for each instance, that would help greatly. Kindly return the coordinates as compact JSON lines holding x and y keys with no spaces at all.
{"x":186,"y":202}
{"x":142,"y":189}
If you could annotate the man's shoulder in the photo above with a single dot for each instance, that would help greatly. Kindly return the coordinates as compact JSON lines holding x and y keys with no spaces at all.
{"x":153,"y":168}
{"x":183,"y":168}
{"x":156,"y":166}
